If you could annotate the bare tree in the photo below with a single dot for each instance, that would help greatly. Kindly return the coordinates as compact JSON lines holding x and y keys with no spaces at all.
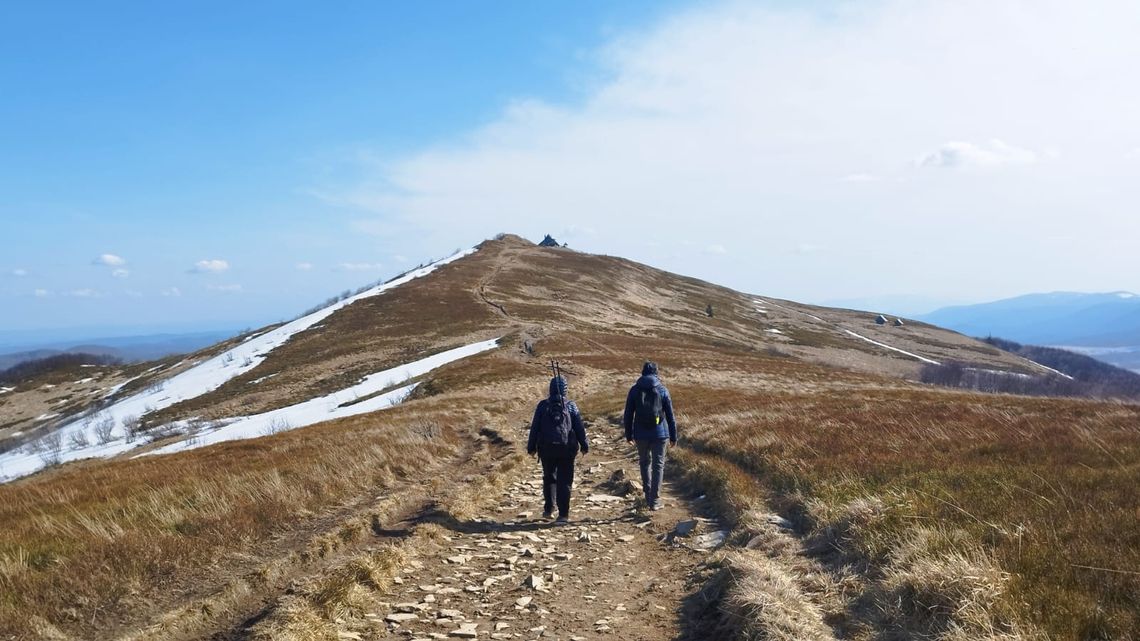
{"x":51,"y":450}
{"x":78,"y":439}
{"x":131,"y":427}
{"x":104,"y":430}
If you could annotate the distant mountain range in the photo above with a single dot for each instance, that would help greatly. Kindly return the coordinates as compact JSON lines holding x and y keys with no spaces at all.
{"x":1106,"y":326}
{"x":125,"y":348}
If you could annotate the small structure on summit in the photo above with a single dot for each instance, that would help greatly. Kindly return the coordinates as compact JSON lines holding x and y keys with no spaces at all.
{"x":881,"y":320}
{"x":549,"y":241}
{"x":898,"y":322}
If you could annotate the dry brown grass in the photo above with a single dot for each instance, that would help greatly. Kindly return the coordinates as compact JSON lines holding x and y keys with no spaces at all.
{"x":1048,"y":487}
{"x":86,"y":545}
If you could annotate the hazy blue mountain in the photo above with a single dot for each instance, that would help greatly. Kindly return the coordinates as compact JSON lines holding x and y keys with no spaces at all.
{"x":126,"y":348}
{"x":1059,"y":318}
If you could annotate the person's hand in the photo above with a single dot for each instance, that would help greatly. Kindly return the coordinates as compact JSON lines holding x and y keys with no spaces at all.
{"x":672,"y":442}
{"x":629,"y":440}
{"x":532,"y":452}
{"x":585,"y":451}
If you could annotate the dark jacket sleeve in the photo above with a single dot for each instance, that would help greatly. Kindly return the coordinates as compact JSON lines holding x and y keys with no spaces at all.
{"x":627,"y":418}
{"x":532,"y":441}
{"x":579,"y":428}
{"x":667,"y":404}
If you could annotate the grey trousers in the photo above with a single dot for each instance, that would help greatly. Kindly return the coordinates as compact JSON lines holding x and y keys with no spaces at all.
{"x":651,"y":458}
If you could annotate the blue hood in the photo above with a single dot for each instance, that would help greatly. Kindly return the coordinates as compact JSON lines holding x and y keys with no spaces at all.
{"x":558,"y":387}
{"x":648,"y":381}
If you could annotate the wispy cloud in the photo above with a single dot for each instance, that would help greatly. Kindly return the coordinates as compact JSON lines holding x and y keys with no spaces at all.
{"x":41,"y":293}
{"x":210,"y":266}
{"x":171,"y":292}
{"x":19,"y":272}
{"x":85,"y":292}
{"x":716,"y":250}
{"x":994,"y":153}
{"x":121,"y":273}
{"x":304,"y":267}
{"x":109,"y":260}
{"x":754,"y":121}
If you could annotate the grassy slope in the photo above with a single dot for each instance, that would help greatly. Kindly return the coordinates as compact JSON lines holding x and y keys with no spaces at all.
{"x":1044,"y":485}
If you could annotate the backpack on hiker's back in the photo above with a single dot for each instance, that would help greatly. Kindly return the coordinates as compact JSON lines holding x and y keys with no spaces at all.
{"x":647,"y":408}
{"x":556,"y":427}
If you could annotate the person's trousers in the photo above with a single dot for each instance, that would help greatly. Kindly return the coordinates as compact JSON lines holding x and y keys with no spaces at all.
{"x":557,"y":478}
{"x":651,"y":458}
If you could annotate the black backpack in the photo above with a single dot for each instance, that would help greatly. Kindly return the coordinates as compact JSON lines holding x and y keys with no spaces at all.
{"x":647,"y":408}
{"x":556,"y":427}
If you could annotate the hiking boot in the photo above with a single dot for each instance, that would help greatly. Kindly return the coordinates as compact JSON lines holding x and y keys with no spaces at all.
{"x":562,"y":520}
{"x":546,"y":514}
{"x":656,"y":505}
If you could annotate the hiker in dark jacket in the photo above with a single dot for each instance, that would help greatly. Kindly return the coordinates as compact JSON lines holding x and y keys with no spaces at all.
{"x":556,"y":433}
{"x":648,"y":421}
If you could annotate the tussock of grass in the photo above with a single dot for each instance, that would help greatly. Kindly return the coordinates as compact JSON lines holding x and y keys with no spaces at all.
{"x":769,"y":598}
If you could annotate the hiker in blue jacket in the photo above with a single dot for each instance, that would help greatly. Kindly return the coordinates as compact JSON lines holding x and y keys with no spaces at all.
{"x":648,"y":421}
{"x":556,"y":433}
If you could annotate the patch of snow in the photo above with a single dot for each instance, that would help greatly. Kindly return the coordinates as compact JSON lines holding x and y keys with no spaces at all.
{"x":325,"y":408}
{"x":1125,"y":295}
{"x":115,"y":388}
{"x":45,"y":417}
{"x":773,"y":331}
{"x":1050,"y":370}
{"x":263,"y":378}
{"x":5,"y":390}
{"x":83,"y":381}
{"x":893,"y":349}
{"x":203,"y":377}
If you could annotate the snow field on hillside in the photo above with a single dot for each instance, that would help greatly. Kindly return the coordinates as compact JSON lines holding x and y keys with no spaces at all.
{"x":325,"y":408}
{"x":107,"y":434}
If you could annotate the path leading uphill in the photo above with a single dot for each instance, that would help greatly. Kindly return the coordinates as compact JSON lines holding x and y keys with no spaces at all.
{"x":615,"y":572}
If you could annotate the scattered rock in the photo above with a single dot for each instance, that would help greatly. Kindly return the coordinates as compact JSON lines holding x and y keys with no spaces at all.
{"x":685,"y":528}
{"x":604,"y":498}
{"x":400,"y":617}
{"x":524,"y":601}
{"x":466,"y":631}
{"x":626,"y":538}
{"x":534,"y":582}
{"x":710,"y":541}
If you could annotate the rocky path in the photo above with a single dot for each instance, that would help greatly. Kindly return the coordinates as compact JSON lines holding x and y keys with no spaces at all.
{"x":615,"y":572}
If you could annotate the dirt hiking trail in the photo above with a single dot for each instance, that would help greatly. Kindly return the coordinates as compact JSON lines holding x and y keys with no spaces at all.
{"x":616,"y":571}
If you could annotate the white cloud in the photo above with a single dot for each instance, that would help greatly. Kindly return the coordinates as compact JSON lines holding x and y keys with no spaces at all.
{"x":133,"y":293}
{"x":739,"y":121}
{"x":19,"y":272}
{"x":172,"y":292}
{"x":85,"y":292}
{"x":359,"y":267}
{"x":304,"y":267}
{"x":716,"y":249}
{"x":995,"y":153}
{"x":210,"y":266}
{"x":42,"y":293}
{"x":110,"y":260}
{"x":121,"y":273}
{"x":224,"y":288}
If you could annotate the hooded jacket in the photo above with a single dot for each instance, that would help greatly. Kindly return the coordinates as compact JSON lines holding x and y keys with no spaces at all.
{"x":558,"y":389}
{"x":666,"y":428}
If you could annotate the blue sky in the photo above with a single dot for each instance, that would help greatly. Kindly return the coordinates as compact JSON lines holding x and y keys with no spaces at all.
{"x":208,"y":165}
{"x":171,"y":133}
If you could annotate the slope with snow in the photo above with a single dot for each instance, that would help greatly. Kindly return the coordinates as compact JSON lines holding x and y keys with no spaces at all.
{"x":79,"y":439}
{"x":336,"y":405}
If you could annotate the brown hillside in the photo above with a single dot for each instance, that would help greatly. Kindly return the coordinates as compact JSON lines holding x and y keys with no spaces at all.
{"x":906,"y":511}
